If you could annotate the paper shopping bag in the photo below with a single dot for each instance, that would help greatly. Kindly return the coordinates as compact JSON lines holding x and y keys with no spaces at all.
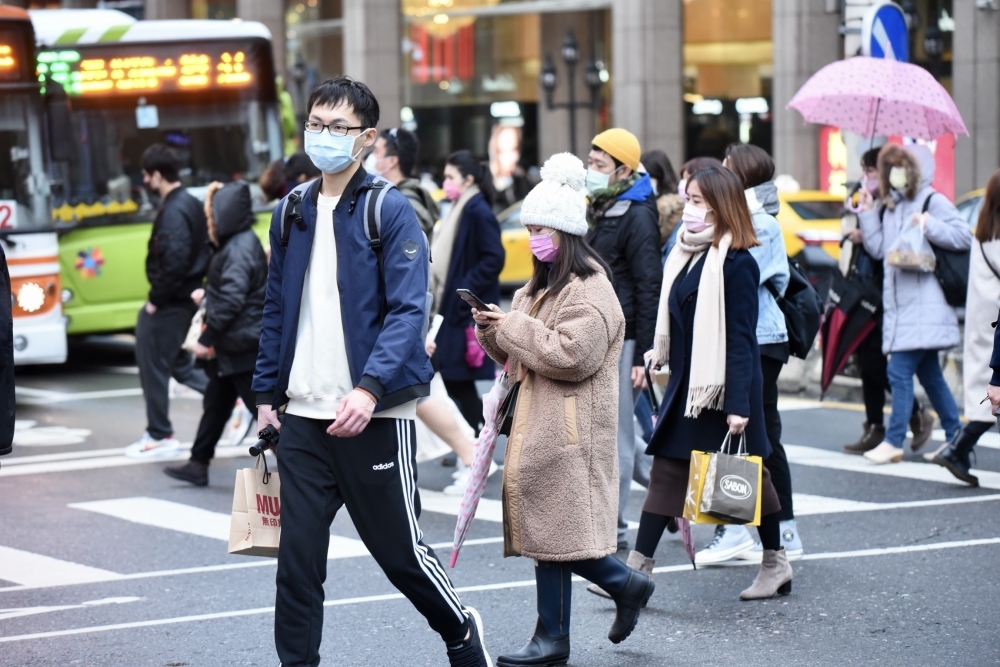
{"x":255,"y":526}
{"x":731,"y":488}
{"x":695,"y":488}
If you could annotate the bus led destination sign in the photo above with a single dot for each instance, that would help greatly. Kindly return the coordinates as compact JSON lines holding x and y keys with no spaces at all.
{"x":157,"y":69}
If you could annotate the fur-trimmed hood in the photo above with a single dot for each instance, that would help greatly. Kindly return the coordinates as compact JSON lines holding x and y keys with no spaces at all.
{"x":670,"y":207}
{"x":919,"y":164}
{"x":229,"y":210}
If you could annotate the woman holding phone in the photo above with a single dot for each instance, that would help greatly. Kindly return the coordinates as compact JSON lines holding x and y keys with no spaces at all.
{"x":562,"y":340}
{"x":706,"y":335}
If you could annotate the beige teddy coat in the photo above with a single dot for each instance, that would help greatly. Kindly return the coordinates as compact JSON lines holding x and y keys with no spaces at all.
{"x":560,"y":483}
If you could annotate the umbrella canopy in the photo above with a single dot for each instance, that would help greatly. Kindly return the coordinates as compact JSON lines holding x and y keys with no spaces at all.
{"x":849,"y":319}
{"x":877,"y":96}
{"x":479,"y":471}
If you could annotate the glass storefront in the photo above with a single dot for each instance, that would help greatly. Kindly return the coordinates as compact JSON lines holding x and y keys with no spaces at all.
{"x":728,"y":67}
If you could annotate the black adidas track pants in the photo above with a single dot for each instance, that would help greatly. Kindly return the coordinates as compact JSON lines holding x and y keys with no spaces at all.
{"x":374,"y":474}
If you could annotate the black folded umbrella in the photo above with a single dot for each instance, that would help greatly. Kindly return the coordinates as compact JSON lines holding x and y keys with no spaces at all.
{"x":853,"y":304}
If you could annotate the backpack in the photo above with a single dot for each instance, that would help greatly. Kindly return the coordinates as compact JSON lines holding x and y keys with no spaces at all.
{"x":802,"y":310}
{"x":374,"y":197}
{"x":951,"y":266}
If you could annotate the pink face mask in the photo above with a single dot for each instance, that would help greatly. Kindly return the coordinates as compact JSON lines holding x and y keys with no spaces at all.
{"x":872,"y":186}
{"x":542,"y":248}
{"x":452,"y":190}
{"x":694,"y":218}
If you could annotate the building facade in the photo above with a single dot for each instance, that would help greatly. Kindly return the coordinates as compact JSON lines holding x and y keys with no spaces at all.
{"x":686,"y":76}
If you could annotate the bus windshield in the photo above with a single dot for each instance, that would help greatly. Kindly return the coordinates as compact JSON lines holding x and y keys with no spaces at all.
{"x":23,"y":200}
{"x":214,"y":103}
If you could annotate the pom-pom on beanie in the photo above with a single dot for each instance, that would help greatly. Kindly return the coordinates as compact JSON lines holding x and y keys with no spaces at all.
{"x":558,"y":202}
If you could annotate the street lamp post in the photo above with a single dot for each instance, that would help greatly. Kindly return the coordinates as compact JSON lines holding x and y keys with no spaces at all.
{"x":592,"y":76}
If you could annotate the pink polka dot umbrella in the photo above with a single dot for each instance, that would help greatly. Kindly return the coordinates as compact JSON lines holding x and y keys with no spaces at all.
{"x":876,"y":96}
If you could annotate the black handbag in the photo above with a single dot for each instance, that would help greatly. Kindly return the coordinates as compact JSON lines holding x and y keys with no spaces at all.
{"x":802,"y":310}
{"x":505,"y":414}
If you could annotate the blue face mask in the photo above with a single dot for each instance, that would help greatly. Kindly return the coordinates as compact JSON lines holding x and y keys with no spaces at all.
{"x":330,"y":153}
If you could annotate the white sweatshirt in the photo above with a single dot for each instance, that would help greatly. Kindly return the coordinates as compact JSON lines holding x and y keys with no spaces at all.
{"x":321,"y":377}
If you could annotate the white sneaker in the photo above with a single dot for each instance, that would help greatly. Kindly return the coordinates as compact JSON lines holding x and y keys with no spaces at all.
{"x":729,"y":542}
{"x":148,"y":448}
{"x":459,"y":468}
{"x":885,"y":453}
{"x":462,"y":481}
{"x":930,"y":456}
{"x":789,"y":539}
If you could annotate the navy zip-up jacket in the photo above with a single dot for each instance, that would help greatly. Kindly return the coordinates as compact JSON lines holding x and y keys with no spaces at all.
{"x":386,"y":358}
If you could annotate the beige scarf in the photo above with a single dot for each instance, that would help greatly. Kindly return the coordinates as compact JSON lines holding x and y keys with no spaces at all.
{"x":707,"y":385}
{"x":444,"y":243}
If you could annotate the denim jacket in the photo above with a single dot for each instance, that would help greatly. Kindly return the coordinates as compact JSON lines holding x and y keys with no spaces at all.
{"x":772,"y":261}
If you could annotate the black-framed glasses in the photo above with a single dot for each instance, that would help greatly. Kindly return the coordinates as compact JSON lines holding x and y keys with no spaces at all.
{"x":336,"y":129}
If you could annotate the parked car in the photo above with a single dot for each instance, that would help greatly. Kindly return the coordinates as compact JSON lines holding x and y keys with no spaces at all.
{"x":969,"y":204}
{"x":518,"y":266}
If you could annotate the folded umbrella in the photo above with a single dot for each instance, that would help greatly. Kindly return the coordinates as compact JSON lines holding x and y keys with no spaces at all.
{"x":849,"y":319}
{"x":684,"y":526}
{"x":482,"y":458}
{"x":877,"y":96}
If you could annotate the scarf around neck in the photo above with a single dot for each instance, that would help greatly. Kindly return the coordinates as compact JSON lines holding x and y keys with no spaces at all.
{"x":444,"y":244}
{"x":602,"y":200}
{"x":707,"y":384}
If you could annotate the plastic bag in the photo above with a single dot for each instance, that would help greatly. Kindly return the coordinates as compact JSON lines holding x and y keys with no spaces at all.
{"x":912,"y":251}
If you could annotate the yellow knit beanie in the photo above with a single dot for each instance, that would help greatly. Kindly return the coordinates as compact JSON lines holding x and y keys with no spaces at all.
{"x":621,"y":145}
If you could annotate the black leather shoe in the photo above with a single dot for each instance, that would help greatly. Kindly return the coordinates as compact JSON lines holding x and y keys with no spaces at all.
{"x":192,"y":472}
{"x":543,"y":650}
{"x":955,"y":457}
{"x":629,"y":602}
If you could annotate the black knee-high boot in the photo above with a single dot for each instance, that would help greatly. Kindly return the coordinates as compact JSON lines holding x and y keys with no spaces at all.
{"x":550,"y":643}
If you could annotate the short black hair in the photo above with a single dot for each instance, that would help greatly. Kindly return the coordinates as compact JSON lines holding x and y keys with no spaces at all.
{"x":300,"y":164}
{"x":339,"y":89}
{"x":870,"y":158}
{"x":404,"y":145}
{"x":159,"y":157}
{"x":618,"y":163}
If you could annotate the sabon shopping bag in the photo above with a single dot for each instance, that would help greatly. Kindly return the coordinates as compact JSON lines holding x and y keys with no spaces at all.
{"x":255,"y":526}
{"x":731,"y":488}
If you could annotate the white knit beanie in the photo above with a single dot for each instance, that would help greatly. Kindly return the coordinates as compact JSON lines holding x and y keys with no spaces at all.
{"x":558,"y":202}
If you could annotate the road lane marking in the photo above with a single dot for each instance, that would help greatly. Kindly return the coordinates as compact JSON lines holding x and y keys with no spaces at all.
{"x":32,"y":396}
{"x":441,"y":503}
{"x":35,"y":570}
{"x":18,"y":612}
{"x":835,"y":555}
{"x":250,"y":562}
{"x":98,"y":458}
{"x":807,"y":504}
{"x":194,"y":521}
{"x":925,"y":472}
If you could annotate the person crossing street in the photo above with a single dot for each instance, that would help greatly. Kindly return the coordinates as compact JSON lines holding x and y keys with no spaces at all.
{"x":342,"y":355}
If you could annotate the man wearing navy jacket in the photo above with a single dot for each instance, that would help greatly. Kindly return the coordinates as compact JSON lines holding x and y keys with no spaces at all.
{"x":342,"y":356}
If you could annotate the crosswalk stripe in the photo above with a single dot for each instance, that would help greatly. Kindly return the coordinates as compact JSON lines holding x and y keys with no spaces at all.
{"x":31,"y":569}
{"x":507,"y":585}
{"x":927,"y":472}
{"x":194,"y":521}
{"x":97,"y":458}
{"x":441,"y":503}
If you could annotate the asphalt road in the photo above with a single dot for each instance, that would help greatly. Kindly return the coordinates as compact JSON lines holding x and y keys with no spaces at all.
{"x":105,"y":563}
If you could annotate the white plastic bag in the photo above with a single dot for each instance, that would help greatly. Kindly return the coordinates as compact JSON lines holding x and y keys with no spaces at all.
{"x":912,"y":251}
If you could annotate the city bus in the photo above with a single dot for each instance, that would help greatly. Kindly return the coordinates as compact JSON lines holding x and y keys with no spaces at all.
{"x":26,"y":231}
{"x":112,"y":87}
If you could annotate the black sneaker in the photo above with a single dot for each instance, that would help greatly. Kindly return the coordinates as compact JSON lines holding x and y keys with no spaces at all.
{"x":193,"y":472}
{"x":470,"y":652}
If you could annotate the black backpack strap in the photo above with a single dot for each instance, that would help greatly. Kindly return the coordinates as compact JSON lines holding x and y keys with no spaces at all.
{"x":769,"y":284}
{"x":927,"y":202}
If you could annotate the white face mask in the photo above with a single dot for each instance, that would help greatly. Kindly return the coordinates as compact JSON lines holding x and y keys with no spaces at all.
{"x":371,"y":163}
{"x":897,"y":178}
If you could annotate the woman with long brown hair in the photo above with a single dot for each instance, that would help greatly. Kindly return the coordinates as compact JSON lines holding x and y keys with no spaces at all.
{"x":981,"y":306}
{"x":706,"y":334}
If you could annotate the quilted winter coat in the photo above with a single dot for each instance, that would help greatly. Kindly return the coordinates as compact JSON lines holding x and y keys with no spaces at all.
{"x":560,"y":485}
{"x":917,"y":316}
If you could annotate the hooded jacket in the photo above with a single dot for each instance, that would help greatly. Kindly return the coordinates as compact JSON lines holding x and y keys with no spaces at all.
{"x":386,"y":354}
{"x":627,"y":237}
{"x":772,"y":260}
{"x":178,"y":253}
{"x":237,"y":277}
{"x":916,"y":314}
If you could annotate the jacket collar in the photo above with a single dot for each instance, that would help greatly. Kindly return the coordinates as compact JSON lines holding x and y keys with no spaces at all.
{"x":354,"y":189}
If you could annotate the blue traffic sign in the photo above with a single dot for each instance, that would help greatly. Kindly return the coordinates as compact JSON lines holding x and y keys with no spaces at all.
{"x":884,"y":33}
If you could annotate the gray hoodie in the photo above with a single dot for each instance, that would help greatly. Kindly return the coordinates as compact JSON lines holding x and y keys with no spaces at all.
{"x":917,"y":316}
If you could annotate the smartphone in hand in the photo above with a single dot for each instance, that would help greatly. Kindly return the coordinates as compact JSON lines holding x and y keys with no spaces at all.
{"x":473,"y":300}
